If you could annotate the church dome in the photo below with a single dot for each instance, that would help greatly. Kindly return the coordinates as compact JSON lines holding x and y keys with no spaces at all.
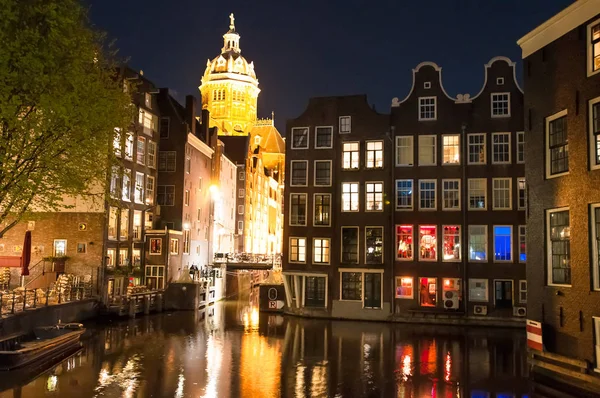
{"x":230,"y":60}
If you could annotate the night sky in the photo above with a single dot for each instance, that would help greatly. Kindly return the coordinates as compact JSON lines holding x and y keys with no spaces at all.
{"x":303,"y":49}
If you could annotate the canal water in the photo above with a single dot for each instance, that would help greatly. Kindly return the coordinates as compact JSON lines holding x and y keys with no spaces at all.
{"x":232,"y":350}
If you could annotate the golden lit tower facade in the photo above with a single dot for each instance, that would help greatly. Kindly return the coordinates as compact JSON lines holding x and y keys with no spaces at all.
{"x":229,"y":88}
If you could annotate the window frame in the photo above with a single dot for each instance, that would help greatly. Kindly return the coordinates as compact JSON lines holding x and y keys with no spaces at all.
{"x":520,"y":142}
{"x":412,"y":288}
{"x":510,"y":196}
{"x":398,"y":228}
{"x":299,"y":194}
{"x":375,"y":151}
{"x":150,"y":190}
{"x":314,"y":210}
{"x":316,"y":137}
{"x":460,"y":243}
{"x":437,"y":254}
{"x":165,"y":187}
{"x":509,"y":135}
{"x":484,"y":135}
{"x":351,"y":152}
{"x":469,"y":181}
{"x":521,"y":291}
{"x":315,"y":172}
{"x":420,"y":164}
{"x":340,"y":131}
{"x":548,"y":160}
{"x":519,"y":180}
{"x":350,"y":193}
{"x":428,"y":180}
{"x":487,"y":290}
{"x":594,"y":246}
{"x":522,"y":235}
{"x":420,"y":104}
{"x":411,"y":138}
{"x":374,"y":193}
{"x":357,"y":229}
{"x":590,"y":53}
{"x":548,"y":253}
{"x":412,"y":195}
{"x":486,"y":242}
{"x":507,"y":93}
{"x":593,"y":147}
{"x":294,"y":129}
{"x":142,"y":191}
{"x":292,"y":184}
{"x":510,"y":243}
{"x":382,"y":244}
{"x":297,"y":261}
{"x":458,"y":147}
{"x":458,"y":190}
{"x":314,"y":251}
{"x":361,"y":281}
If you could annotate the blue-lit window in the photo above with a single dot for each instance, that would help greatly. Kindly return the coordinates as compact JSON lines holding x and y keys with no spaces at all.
{"x":522,"y":243}
{"x":404,"y":194}
{"x":480,"y":394}
{"x":502,"y":243}
{"x":505,"y":395}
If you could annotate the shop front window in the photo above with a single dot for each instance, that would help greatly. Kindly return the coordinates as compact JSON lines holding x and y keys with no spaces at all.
{"x":428,"y":292}
{"x":451,"y":243}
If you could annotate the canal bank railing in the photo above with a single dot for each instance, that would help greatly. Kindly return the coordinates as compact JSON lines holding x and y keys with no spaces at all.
{"x":136,"y":303}
{"x":22,"y":299}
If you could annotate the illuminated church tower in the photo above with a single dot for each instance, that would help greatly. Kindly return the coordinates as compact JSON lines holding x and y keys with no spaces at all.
{"x":229,"y":88}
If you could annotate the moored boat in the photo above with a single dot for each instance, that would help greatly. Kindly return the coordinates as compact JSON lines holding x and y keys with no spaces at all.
{"x":23,"y":349}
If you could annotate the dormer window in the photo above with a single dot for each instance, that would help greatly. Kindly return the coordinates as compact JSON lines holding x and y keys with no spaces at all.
{"x":148,"y":100}
{"x":427,"y":108}
{"x":593,"y":38}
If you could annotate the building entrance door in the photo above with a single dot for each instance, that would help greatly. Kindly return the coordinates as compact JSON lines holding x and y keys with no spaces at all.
{"x":503,"y":294}
{"x":372,"y":290}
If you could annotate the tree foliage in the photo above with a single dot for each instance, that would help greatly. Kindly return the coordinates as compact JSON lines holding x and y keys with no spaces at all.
{"x":60,"y":103}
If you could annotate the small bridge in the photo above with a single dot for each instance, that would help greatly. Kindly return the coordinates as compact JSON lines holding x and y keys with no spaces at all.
{"x":248,"y":261}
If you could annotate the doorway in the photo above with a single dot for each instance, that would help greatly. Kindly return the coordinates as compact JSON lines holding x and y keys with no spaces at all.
{"x":503,"y":294}
{"x":372,"y":290}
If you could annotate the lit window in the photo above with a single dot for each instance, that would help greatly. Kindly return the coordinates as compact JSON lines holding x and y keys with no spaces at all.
{"x":165,"y":195}
{"x":114,"y":183}
{"x":322,"y":209}
{"x":174,"y":246}
{"x":404,"y":242}
{"x":501,"y":193}
{"x":297,"y":250}
{"x":324,"y":137}
{"x":522,"y":189}
{"x":404,"y":151}
{"x":124,"y":230}
{"x":350,"y":245}
{"x":299,"y":138}
{"x":148,"y":100}
{"x":404,"y":287}
{"x":352,"y":286}
{"x":299,"y":172}
{"x":186,"y":241}
{"x":427,"y":242}
{"x":477,"y":193}
{"x":521,"y":147}
{"x":117,"y":142}
{"x":595,"y":244}
{"x":123,"y":257}
{"x":477,"y":148}
{"x":522,"y":243}
{"x":139,"y":188}
{"x":502,"y":243}
{"x":141,"y":150}
{"x":428,"y":292}
{"x":186,"y":197}
{"x":478,"y":290}
{"x":595,"y":132}
{"x":451,"y":149}
{"x":167,"y":160}
{"x":350,"y":196}
{"x":427,"y":192}
{"x":557,"y":145}
{"x":452,"y":248}
{"x":129,"y":146}
{"x":593,"y":37}
{"x":451,"y":194}
{"x":126,"y":188}
{"x":152,"y":154}
{"x":298,"y":209}
{"x":323,"y":173}
{"x":500,"y":104}
{"x":137,"y":224}
{"x":478,"y":242}
{"x":113,"y":217}
{"x":404,"y":194}
{"x":345,"y":125}
{"x":321,"y":250}
{"x":500,"y":148}
{"x":350,"y":156}
{"x":374,"y":154}
{"x":427,"y":108}
{"x":374,"y":245}
{"x":149,"y":190}
{"x":427,"y":150}
{"x":374,"y":196}
{"x":558,"y":234}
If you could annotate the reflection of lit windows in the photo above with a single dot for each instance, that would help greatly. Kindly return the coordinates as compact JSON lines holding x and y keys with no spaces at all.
{"x":350,"y":155}
{"x":478,"y":290}
{"x":427,"y":292}
{"x":322,"y":209}
{"x":478,"y":242}
{"x":350,"y":245}
{"x":297,"y":250}
{"x":427,"y":242}
{"x":427,"y":193}
{"x":451,"y":249}
{"x":350,"y":196}
{"x":321,"y":250}
{"x":477,"y":193}
{"x":404,"y":242}
{"x":374,"y":245}
{"x":374,"y":154}
{"x":451,"y":149}
{"x":404,"y":287}
{"x":558,"y":235}
{"x":404,"y":194}
{"x":352,"y":286}
{"x":374,"y":196}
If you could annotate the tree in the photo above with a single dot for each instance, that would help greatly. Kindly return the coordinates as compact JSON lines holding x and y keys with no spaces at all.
{"x":60,"y":103}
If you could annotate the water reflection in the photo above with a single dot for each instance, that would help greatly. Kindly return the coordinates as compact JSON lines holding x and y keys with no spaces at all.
{"x":231,"y":350}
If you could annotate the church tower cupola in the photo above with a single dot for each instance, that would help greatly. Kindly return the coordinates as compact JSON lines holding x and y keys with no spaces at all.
{"x":231,"y":38}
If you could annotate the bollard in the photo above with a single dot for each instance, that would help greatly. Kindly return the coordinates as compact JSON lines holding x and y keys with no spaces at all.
{"x":132,"y":308}
{"x":35,"y":298}
{"x":147,"y":302}
{"x":159,"y":302}
{"x":12,"y":311}
{"x":47,"y":295}
{"x":59,"y":297}
{"x":24,"y":298}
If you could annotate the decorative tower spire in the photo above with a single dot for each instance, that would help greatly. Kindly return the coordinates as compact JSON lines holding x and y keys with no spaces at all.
{"x":231,"y":38}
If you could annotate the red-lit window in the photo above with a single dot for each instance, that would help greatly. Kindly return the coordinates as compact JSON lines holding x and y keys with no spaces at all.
{"x":451,"y":249}
{"x":428,"y":242}
{"x":428,"y":292}
{"x":404,"y":242}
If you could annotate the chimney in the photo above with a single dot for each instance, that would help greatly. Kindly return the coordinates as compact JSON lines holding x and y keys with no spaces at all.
{"x":205,"y":123}
{"x":190,"y":110}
